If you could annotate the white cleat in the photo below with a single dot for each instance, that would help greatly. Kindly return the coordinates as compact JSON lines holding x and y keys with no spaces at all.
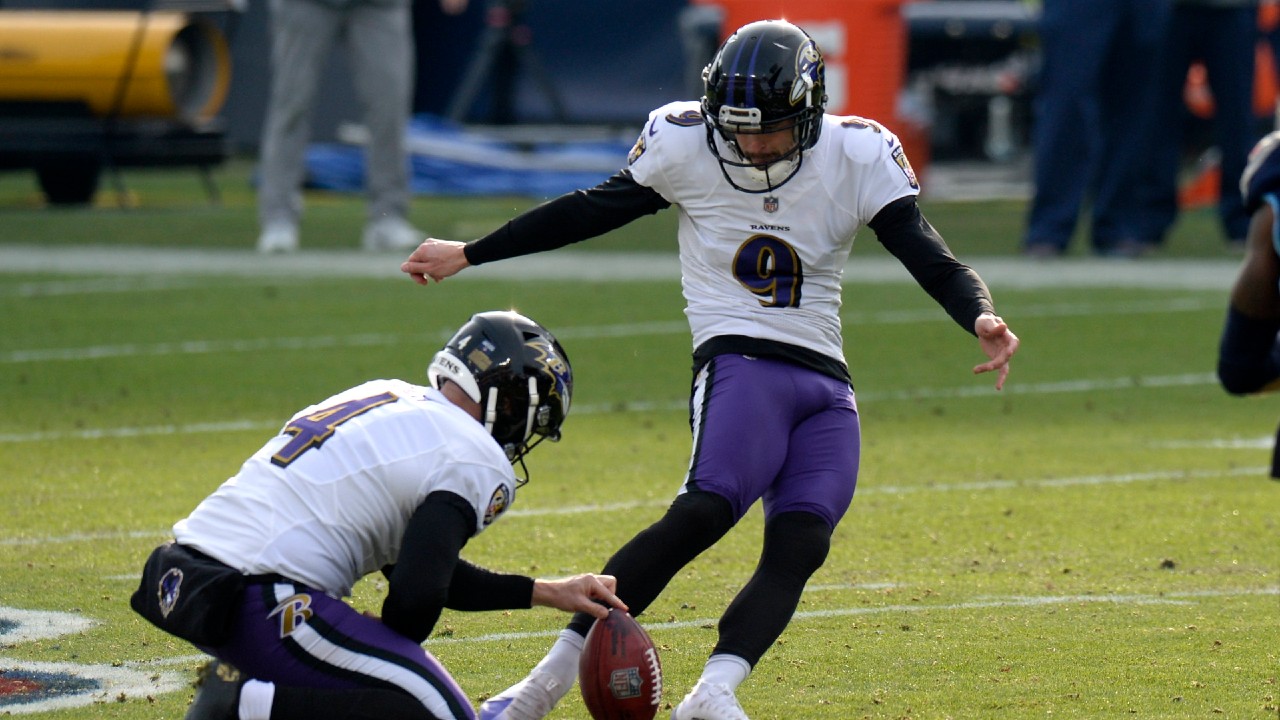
{"x":278,"y":237}
{"x":709,"y":701}
{"x":391,"y":233}
{"x":530,"y":699}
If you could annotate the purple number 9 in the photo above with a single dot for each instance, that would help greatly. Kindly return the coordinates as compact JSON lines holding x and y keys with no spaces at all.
{"x":770,"y":269}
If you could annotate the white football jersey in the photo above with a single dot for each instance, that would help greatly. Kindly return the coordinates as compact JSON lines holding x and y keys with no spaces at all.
{"x":769,"y":265}
{"x":327,"y":501}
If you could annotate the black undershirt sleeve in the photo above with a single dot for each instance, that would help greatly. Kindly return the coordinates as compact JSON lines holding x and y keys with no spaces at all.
{"x":905,"y":233}
{"x":429,"y":575}
{"x":570,"y":218}
{"x":475,"y":588}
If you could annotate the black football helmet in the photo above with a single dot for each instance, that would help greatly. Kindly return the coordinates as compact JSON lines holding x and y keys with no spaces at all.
{"x":767,"y":76}
{"x":516,"y":370}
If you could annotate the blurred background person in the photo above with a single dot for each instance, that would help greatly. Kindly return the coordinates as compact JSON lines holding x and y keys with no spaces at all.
{"x":377,"y":37}
{"x":1221,"y":36}
{"x":1095,"y":86}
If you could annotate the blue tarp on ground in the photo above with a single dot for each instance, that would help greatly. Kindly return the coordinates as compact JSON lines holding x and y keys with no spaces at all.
{"x":450,"y":160}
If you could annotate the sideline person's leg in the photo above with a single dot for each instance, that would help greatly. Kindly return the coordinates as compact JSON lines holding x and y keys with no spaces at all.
{"x":1229,"y":59}
{"x":380,"y":45}
{"x":1064,"y":133}
{"x":1127,"y":96}
{"x":302,"y":34}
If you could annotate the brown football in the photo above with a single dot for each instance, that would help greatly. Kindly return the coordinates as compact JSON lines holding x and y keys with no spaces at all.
{"x":619,"y":671}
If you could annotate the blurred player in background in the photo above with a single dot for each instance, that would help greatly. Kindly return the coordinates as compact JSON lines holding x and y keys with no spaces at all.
{"x":1219,"y":35}
{"x":1249,"y":353}
{"x":378,"y":38}
{"x":1095,"y":95}
{"x":770,"y":192}
{"x":386,"y":476}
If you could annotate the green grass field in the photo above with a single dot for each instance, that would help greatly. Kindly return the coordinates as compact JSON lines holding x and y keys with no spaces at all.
{"x":1099,"y":540}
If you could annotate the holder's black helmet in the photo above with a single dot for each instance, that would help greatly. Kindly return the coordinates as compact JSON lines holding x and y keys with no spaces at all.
{"x":767,"y":76}
{"x":516,"y":370}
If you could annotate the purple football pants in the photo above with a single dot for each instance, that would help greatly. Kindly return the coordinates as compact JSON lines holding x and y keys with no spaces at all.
{"x":295,"y":636}
{"x":772,"y":430}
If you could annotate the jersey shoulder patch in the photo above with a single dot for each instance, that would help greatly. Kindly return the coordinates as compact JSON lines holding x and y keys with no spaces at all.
{"x":900,"y":159}
{"x":498,"y":504}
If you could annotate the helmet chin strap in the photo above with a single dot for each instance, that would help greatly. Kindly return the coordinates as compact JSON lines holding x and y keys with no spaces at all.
{"x":534,"y":399}
{"x":783,"y":168}
{"x":491,"y":410}
{"x":524,"y":447}
{"x":764,"y":178}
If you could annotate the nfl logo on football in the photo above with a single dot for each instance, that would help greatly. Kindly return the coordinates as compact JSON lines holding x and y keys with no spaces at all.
{"x":625,"y":683}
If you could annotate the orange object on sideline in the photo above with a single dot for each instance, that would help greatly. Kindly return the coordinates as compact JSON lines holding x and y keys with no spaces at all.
{"x":1268,"y":15}
{"x":1196,"y":93}
{"x":1264,"y":80}
{"x":1202,"y":190}
{"x":1266,"y":85}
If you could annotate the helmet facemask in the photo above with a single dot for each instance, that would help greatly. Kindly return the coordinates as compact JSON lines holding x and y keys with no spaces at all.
{"x":754,"y":177}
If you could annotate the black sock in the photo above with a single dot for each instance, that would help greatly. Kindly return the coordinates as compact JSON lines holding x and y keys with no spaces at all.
{"x":644,"y":566}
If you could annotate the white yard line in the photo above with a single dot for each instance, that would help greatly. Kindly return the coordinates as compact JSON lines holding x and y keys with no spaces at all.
{"x":588,"y":332}
{"x":968,"y":391}
{"x":93,"y":262}
{"x":140,"y":678}
{"x":127,"y":284}
{"x":1016,"y":601}
{"x":863,"y":490}
{"x":1258,"y":443}
{"x":198,"y":347}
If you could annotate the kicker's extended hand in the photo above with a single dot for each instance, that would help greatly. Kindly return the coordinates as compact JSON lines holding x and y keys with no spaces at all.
{"x":435,"y":260}
{"x":579,"y":593}
{"x":998,"y":342}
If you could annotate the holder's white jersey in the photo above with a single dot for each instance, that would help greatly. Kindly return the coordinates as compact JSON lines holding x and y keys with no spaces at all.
{"x":770,"y":265}
{"x":326,"y":501}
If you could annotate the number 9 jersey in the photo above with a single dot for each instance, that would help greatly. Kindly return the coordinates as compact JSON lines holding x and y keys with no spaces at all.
{"x":769,"y":264}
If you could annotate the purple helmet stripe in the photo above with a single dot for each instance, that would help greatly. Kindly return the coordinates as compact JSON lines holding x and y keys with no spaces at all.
{"x":751,"y":73}
{"x":733,"y":76}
